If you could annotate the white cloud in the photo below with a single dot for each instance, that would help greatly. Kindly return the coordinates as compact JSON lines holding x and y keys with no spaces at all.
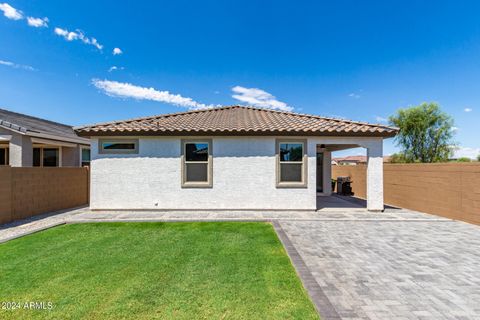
{"x":37,"y":22}
{"x":10,"y":12}
{"x":117,"y":51}
{"x":259,"y":98}
{"x":460,"y":152}
{"x":113,"y":68}
{"x":16,"y":65}
{"x":354,"y":95}
{"x":77,"y":35}
{"x":454,"y":129}
{"x":468,"y":109}
{"x":381,"y":119}
{"x":128,"y":90}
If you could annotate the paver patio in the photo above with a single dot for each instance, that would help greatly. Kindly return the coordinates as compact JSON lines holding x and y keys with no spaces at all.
{"x":393,"y":269}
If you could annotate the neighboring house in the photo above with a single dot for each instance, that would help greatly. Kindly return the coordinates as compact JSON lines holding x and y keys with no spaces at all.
{"x":26,"y":141}
{"x":226,"y":158}
{"x":354,"y":160}
{"x":350,"y":160}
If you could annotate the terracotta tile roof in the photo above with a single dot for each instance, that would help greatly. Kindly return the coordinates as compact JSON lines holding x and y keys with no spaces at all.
{"x":351,"y":158}
{"x":236,"y":120}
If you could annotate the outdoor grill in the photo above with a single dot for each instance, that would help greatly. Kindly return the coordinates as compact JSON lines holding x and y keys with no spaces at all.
{"x":344,"y":186}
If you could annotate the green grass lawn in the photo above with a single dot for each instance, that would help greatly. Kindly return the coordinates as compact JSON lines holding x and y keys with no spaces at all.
{"x":152,"y":270}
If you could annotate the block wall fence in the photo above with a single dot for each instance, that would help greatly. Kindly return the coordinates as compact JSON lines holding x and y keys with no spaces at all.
{"x":25,"y":192}
{"x":450,"y":190}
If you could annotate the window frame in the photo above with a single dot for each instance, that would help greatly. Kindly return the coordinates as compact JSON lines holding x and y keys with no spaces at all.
{"x":101,"y":150}
{"x":42,"y":159}
{"x":81,"y":156}
{"x":304,"y":163}
{"x":209,"y":162}
{"x":7,"y":155}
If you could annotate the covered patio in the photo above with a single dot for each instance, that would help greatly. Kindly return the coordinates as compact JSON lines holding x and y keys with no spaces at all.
{"x":325,"y":198}
{"x":340,"y":203}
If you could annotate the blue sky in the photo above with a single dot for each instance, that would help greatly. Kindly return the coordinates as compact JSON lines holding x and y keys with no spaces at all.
{"x":354,"y":59}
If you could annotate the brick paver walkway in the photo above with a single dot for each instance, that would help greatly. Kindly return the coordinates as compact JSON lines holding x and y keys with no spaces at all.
{"x":393,"y":269}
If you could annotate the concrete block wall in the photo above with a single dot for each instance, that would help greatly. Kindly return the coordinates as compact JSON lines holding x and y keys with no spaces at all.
{"x":35,"y":191}
{"x":450,"y":190}
{"x":5,"y":194}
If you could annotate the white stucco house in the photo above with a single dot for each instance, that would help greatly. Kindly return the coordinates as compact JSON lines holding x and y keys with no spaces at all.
{"x":228,"y":158}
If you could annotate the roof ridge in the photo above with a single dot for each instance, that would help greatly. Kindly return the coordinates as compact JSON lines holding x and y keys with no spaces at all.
{"x":173,"y":114}
{"x":321,"y":117}
{"x":163,"y":115}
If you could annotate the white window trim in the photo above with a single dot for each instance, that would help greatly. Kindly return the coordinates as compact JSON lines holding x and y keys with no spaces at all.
{"x":304,"y":162}
{"x":209,"y":162}
{"x":117,"y":151}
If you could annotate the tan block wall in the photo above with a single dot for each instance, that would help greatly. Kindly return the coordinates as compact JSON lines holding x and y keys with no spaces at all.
{"x":451,"y":190}
{"x":358,"y":175}
{"x":39,"y":190}
{"x":5,"y":194}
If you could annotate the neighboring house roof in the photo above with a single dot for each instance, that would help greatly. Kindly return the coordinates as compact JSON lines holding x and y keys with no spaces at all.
{"x":29,"y":125}
{"x":357,"y":159}
{"x":236,"y":120}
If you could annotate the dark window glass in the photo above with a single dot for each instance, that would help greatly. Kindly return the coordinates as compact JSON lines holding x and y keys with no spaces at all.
{"x":118,"y":146}
{"x":50,"y":157}
{"x":3,"y":157}
{"x":291,"y":172}
{"x":197,"y":172}
{"x":196,"y":151}
{"x":85,"y":157}
{"x":36,"y":157}
{"x":291,"y":152}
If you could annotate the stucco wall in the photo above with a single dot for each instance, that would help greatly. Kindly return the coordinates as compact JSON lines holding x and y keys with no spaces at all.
{"x":20,"y":149}
{"x":71,"y":156}
{"x":243,"y":176}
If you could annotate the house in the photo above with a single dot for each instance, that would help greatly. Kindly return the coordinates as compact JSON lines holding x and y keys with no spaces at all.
{"x":354,"y":160}
{"x":235,"y":158}
{"x":27,"y":141}
{"x":349,"y":160}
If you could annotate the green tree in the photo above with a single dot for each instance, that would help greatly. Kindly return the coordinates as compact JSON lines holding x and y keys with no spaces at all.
{"x":398,"y":158}
{"x":464,"y":159}
{"x":425,"y":133}
{"x":478,"y":157}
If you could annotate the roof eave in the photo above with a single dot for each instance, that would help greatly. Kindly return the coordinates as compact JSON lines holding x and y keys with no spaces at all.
{"x":89,"y":134}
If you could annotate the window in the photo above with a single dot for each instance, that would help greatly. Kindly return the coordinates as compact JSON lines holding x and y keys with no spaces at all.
{"x":46,"y":157}
{"x":50,"y":157}
{"x":292,"y":163}
{"x":118,"y":146}
{"x":196,"y":163}
{"x":85,"y":157}
{"x":3,"y":156}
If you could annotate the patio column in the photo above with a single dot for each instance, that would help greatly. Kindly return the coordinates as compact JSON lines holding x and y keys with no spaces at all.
{"x":375,"y":176}
{"x":21,"y":151}
{"x":327,"y":173}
